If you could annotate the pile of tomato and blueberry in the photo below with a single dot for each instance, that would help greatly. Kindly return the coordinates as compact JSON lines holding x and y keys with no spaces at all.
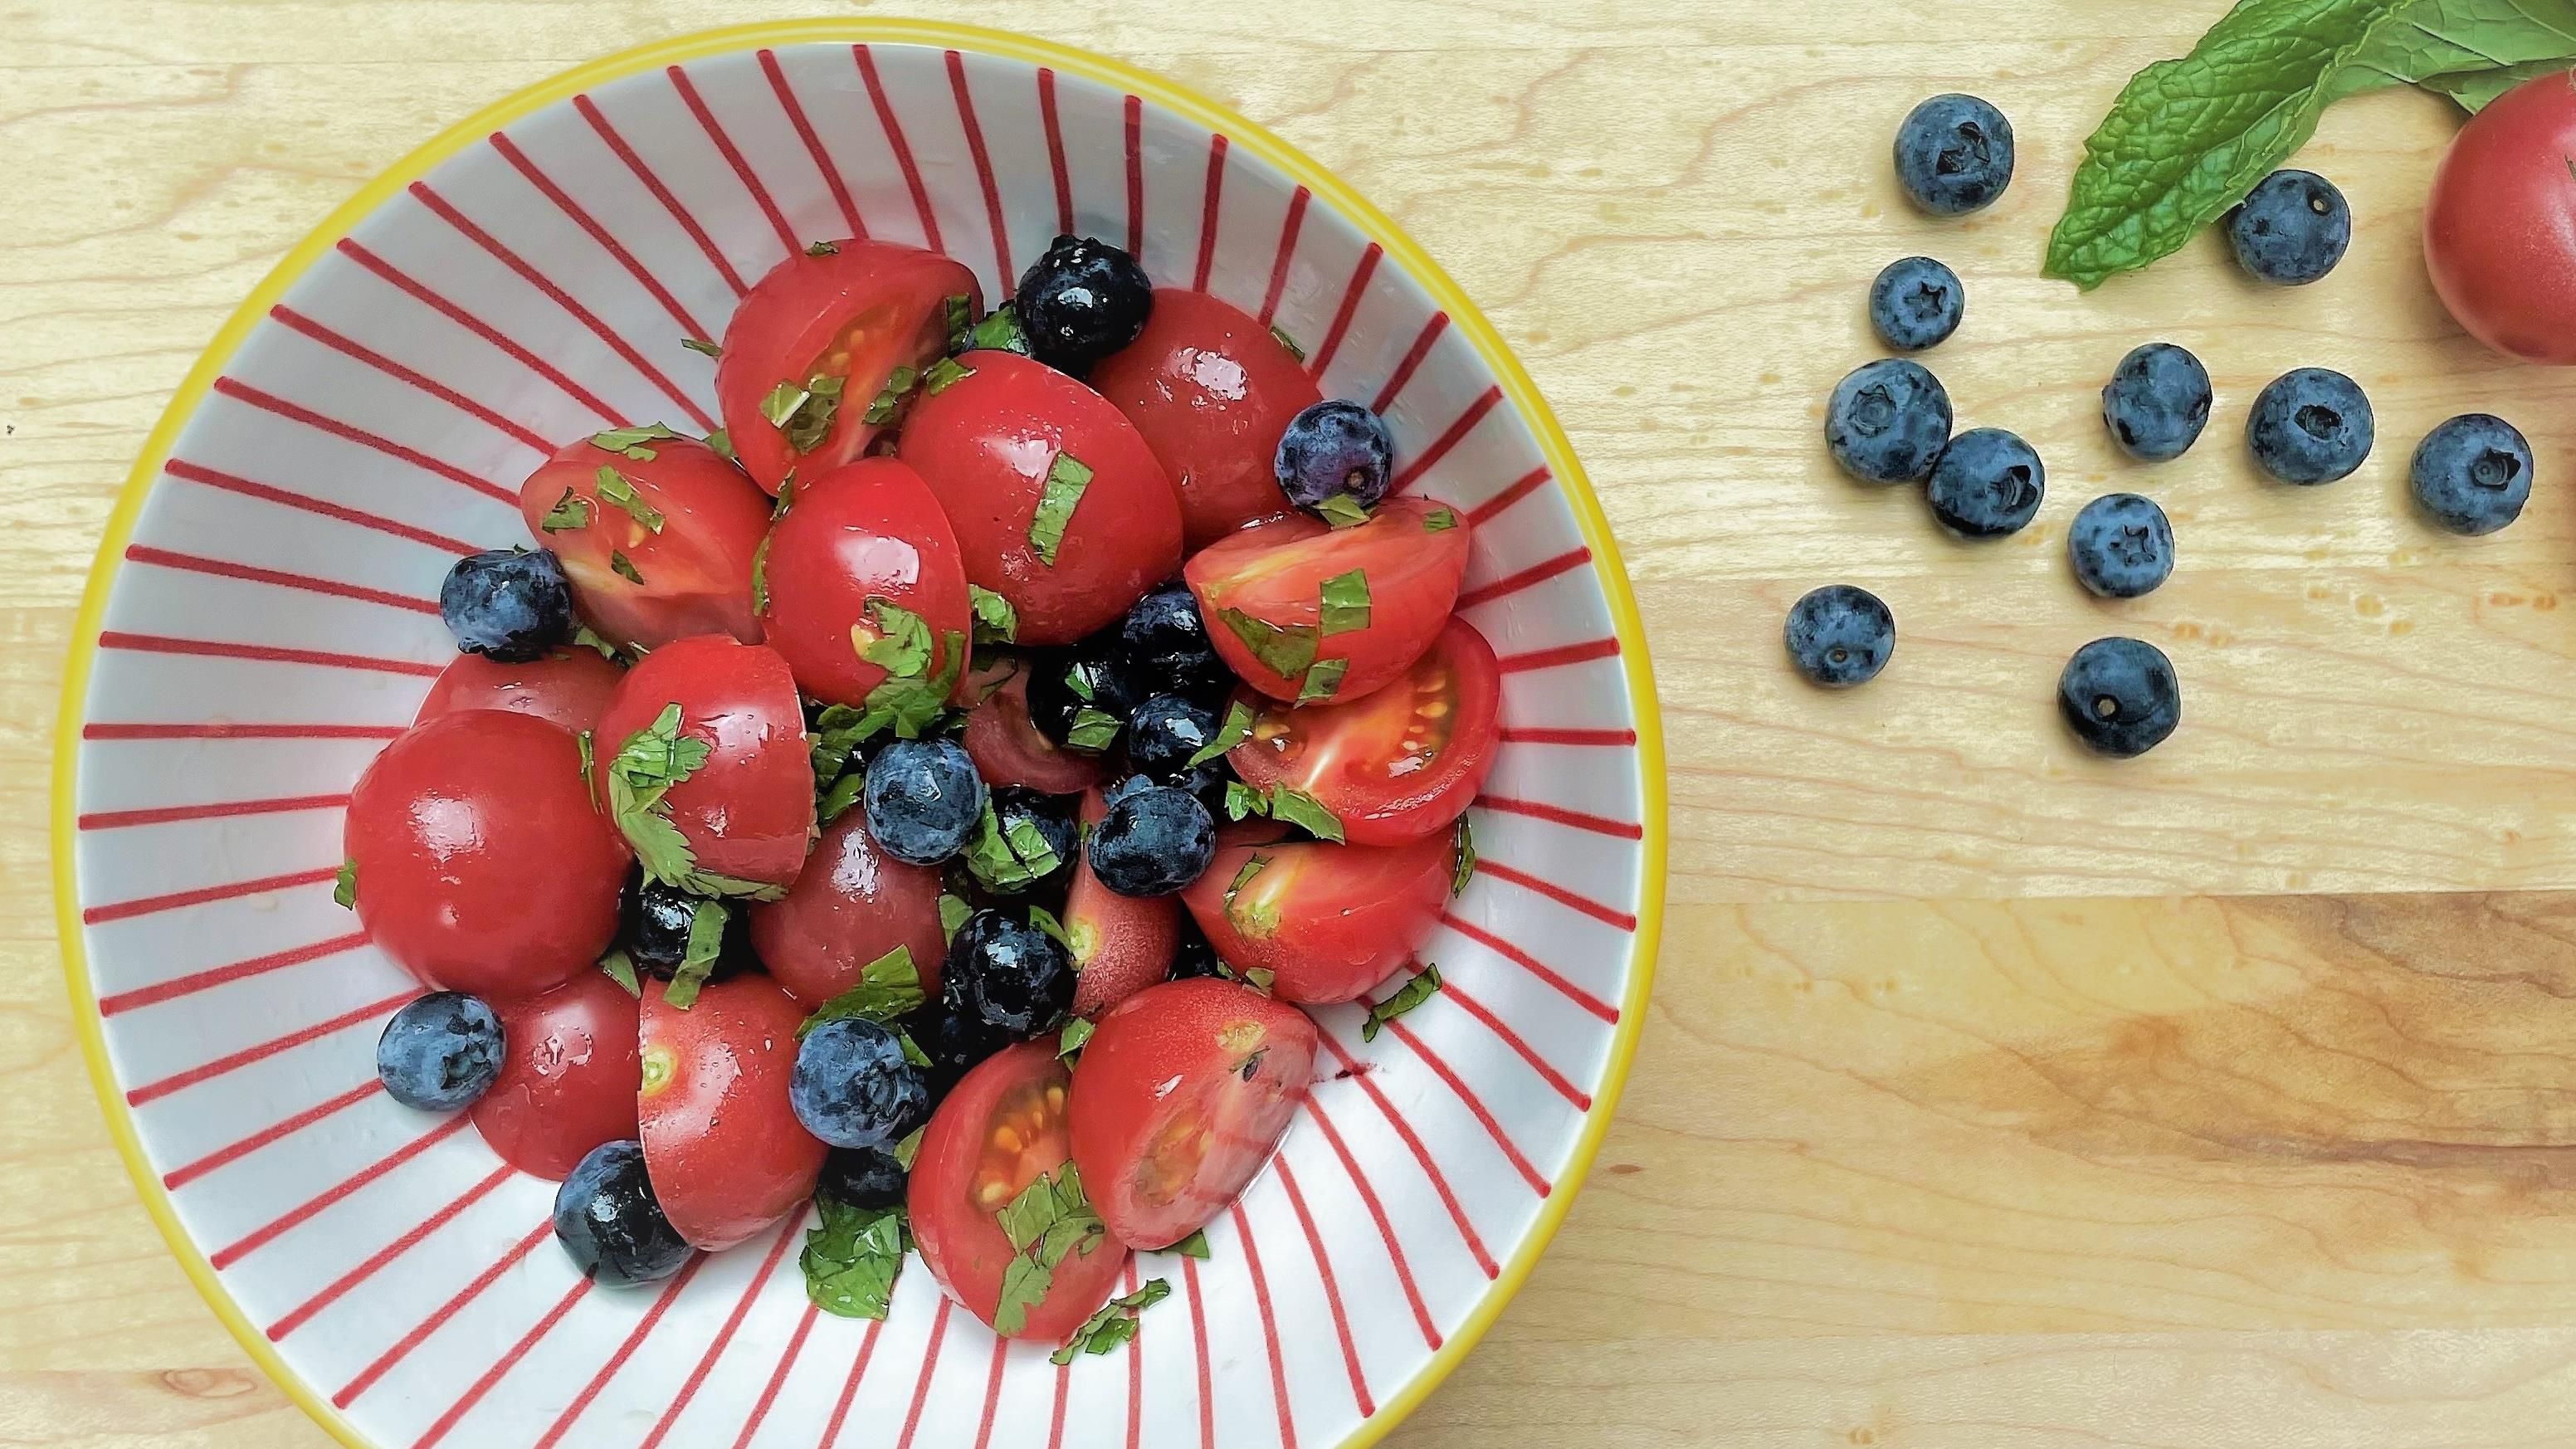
{"x":935,"y":794}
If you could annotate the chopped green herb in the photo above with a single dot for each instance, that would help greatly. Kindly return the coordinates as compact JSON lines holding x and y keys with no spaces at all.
{"x":1465,"y":844}
{"x":722,"y":441}
{"x":1259,"y":978}
{"x":615,"y":487}
{"x":852,"y":1259}
{"x":1345,"y":603}
{"x":1092,"y":729}
{"x":1013,"y":860}
{"x":624,"y":567}
{"x":700,"y":344}
{"x":839,"y":796}
{"x":996,"y":622}
{"x":344,"y":889}
{"x":961,"y":320}
{"x":1341,"y":510}
{"x":1242,"y":800}
{"x":760,"y":576}
{"x":888,"y":987}
{"x":782,"y":403}
{"x":1296,"y":807}
{"x":589,"y":761}
{"x":570,"y":511}
{"x":620,"y":968}
{"x":1000,"y":331}
{"x":1439,"y":520}
{"x":1323,"y":681}
{"x":698,"y":960}
{"x":1076,"y":1032}
{"x":909,"y":1147}
{"x":1411,"y":994}
{"x":645,"y":767}
{"x":1113,"y":1325}
{"x":1066,"y":477}
{"x":583,"y":637}
{"x":1236,"y":729}
{"x":823,"y":249}
{"x":1044,"y":920}
{"x":708,"y":883}
{"x":889,"y":399}
{"x":631,"y":441}
{"x":1250,"y":917}
{"x":1280,"y":334}
{"x":803,"y":414}
{"x":1048,"y":1221}
{"x":953,"y":912}
{"x":912,"y":1051}
{"x":944,"y":374}
{"x":1193,"y":1246}
{"x":1284,"y":651}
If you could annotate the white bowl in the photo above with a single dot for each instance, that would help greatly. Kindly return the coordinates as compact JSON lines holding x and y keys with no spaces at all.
{"x":261,"y":621}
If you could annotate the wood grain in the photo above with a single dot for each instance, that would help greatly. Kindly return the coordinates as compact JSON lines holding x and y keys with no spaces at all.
{"x":1992,"y":1096}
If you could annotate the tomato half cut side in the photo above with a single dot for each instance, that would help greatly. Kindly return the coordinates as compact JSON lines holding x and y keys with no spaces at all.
{"x":1328,"y":921}
{"x":851,"y":904}
{"x":569,"y":1073}
{"x":1009,"y":749}
{"x":1181,"y":1094}
{"x":1394,"y":765}
{"x":1210,"y":389}
{"x":1312,"y":614}
{"x":721,"y":1140}
{"x":1003,"y":1126}
{"x":747,"y":811}
{"x":852,"y":543}
{"x":657,"y":535}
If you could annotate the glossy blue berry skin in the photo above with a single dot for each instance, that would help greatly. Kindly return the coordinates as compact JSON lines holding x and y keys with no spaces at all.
{"x":1081,"y":301}
{"x":2310,"y":426}
{"x":863,"y":1177}
{"x":611,"y":1224}
{"x":1954,"y":155}
{"x":2291,"y":230}
{"x":1165,"y":732}
{"x":853,"y":1087}
{"x":924,"y":799}
{"x":1888,"y":421}
{"x":1916,"y":303}
{"x":1334,"y":447}
{"x":1840,"y":636}
{"x":1167,"y":644}
{"x":2157,"y":402}
{"x":440,"y":1052}
{"x":509,"y":604}
{"x":2122,"y":546}
{"x":1988,"y":484}
{"x":1017,"y":811}
{"x":1153,"y":841}
{"x":2472,"y":474}
{"x":2120,"y":697}
{"x":1003,"y":977}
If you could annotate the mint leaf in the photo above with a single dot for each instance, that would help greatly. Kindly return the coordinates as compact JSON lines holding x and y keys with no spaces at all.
{"x":1323,"y":681}
{"x":1193,"y":1246}
{"x":839,"y":796}
{"x":1092,"y":729}
{"x":708,"y":883}
{"x":803,"y":415}
{"x":1066,"y":477}
{"x":624,"y":567}
{"x":700,"y":344}
{"x":888,"y":987}
{"x":996,"y":622}
{"x":1242,"y":800}
{"x":1341,"y":510}
{"x":1236,"y":729}
{"x":889,"y":400}
{"x":1280,"y":335}
{"x":851,"y":1259}
{"x":1465,"y":844}
{"x":1345,"y":604}
{"x":1285,"y":650}
{"x":1000,"y":331}
{"x":2469,"y":50}
{"x":1013,"y":859}
{"x":1044,"y":920}
{"x":631,"y":441}
{"x":1439,"y":520}
{"x":953,"y":912}
{"x":944,"y":374}
{"x":698,"y":958}
{"x":1113,"y":1325}
{"x":1049,"y":1220}
{"x":620,"y":968}
{"x":1411,"y":994}
{"x":645,"y":767}
{"x":1076,"y":1034}
{"x":960,"y":312}
{"x":570,"y":511}
{"x":760,"y":576}
{"x":722,"y":441}
{"x":344,"y":890}
{"x":1296,"y":807}
{"x":823,"y":249}
{"x":909,"y":1147}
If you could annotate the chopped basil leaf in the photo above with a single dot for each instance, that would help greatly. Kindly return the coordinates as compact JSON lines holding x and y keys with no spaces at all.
{"x":912,"y":1051}
{"x":839,"y":796}
{"x":782,"y":403}
{"x":823,"y":249}
{"x":708,"y":883}
{"x":1048,"y":1221}
{"x":1092,"y":729}
{"x":1236,"y":729}
{"x":889,"y":400}
{"x":1044,"y":920}
{"x":344,"y":890}
{"x":582,"y":635}
{"x":624,"y":567}
{"x":1341,"y":510}
{"x":620,"y":968}
{"x":1010,"y":861}
{"x":760,"y":576}
{"x":1066,"y":477}
{"x":1284,"y":340}
{"x":1193,"y":1246}
{"x":953,"y":912}
{"x":1001,"y":331}
{"x":1075,"y":1034}
{"x":1259,"y":979}
{"x":570,"y":511}
{"x":944,"y":374}
{"x":1250,"y":869}
{"x":888,"y":987}
{"x":645,"y":767}
{"x":909,"y":1147}
{"x":812,"y":421}
{"x":1296,"y":807}
{"x":852,"y":1259}
{"x":996,"y":622}
{"x":1466,"y":847}
{"x":700,"y":344}
{"x":1439,"y":520}
{"x":961,"y":320}
{"x":1408,"y":996}
{"x":631,"y":441}
{"x":1345,"y":604}
{"x":615,"y":487}
{"x":1242,"y":800}
{"x":722,"y":441}
{"x":698,"y":960}
{"x":1113,"y":1325}
{"x":1283,"y":651}
{"x":1323,"y":681}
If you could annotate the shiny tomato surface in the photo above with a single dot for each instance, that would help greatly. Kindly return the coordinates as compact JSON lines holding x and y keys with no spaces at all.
{"x":1329,"y":921}
{"x":2500,"y":226}
{"x":657,"y":537}
{"x":1120,"y":944}
{"x":569,"y":1073}
{"x":1262,"y":594}
{"x":1210,"y":389}
{"x":851,"y":904}
{"x":851,"y":542}
{"x":721,"y":1141}
{"x":748,"y":811}
{"x":1009,"y":749}
{"x":569,"y":687}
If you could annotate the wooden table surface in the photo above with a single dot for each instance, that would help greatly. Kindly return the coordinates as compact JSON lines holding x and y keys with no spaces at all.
{"x":1992,"y":1096}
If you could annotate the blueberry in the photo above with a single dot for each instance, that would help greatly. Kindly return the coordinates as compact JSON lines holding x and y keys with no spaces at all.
{"x":1152,"y":842}
{"x":1989,"y":483}
{"x":863,"y":1177}
{"x":924,"y":799}
{"x":1017,"y":811}
{"x":2310,"y":426}
{"x":1954,"y":155}
{"x":2472,"y":474}
{"x":1194,"y":957}
{"x":2292,"y":228}
{"x":1164,"y":732}
{"x":2157,"y":402}
{"x":509,"y":604}
{"x":1888,"y":421}
{"x":2122,"y":546}
{"x":1006,"y":976}
{"x":440,"y":1052}
{"x":1334,"y":447}
{"x":1094,"y":674}
{"x":1916,"y":303}
{"x":1167,"y":643}
{"x":1840,"y":636}
{"x":1120,"y":789}
{"x":852,"y":1086}
{"x":607,"y":1218}
{"x":1082,"y":301}
{"x":2120,"y":696}
{"x":657,"y":926}
{"x":954,"y":1039}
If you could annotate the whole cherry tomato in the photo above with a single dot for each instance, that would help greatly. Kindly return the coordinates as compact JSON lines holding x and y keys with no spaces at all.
{"x":721,"y":1140}
{"x":850,"y":905}
{"x":2500,"y":227}
{"x":568,"y":687}
{"x":656,"y":535}
{"x":1211,"y":390}
{"x":569,"y":1073}
{"x":852,"y":542}
{"x":745,"y":812}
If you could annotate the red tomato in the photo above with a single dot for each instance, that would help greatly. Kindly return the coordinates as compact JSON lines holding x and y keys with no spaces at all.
{"x":721,"y":1142}
{"x":855,"y":314}
{"x":2500,"y":228}
{"x":748,"y":812}
{"x":1121,"y":944}
{"x":1182,"y":1093}
{"x":987,"y":444}
{"x":1211,"y":390}
{"x":1001,"y":1128}
{"x":1008,"y":748}
{"x":568,"y":687}
{"x":1268,"y":580}
{"x":851,"y":904}
{"x":481,"y":865}
{"x":868,"y":531}
{"x":688,"y":530}
{"x":1330,"y":921}
{"x":568,"y":1079}
{"x":1395,"y":765}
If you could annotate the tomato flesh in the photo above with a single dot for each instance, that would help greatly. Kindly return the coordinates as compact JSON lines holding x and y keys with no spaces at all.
{"x":1328,"y":921}
{"x":721,"y":1141}
{"x":674,"y":561}
{"x":2500,"y":226}
{"x":748,"y":812}
{"x":851,"y":904}
{"x":569,"y":687}
{"x":865,"y":533}
{"x":569,"y":1074}
{"x":1267,"y":582}
{"x":1009,"y":749}
{"x":1210,"y":389}
{"x":1121,"y":944}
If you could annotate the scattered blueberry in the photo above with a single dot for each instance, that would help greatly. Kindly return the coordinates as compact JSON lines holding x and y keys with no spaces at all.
{"x":1840,"y":636}
{"x":1989,"y":483}
{"x":608,"y":1220}
{"x":2120,"y":696}
{"x":1916,"y":303}
{"x":1888,"y":421}
{"x":508,"y":604}
{"x":1152,"y":842}
{"x":853,"y":1087}
{"x":2157,"y":402}
{"x":1096,"y":674}
{"x":1006,"y":976}
{"x":924,"y":799}
{"x":1335,"y":447}
{"x":1167,"y":642}
{"x":1954,"y":155}
{"x":2122,"y":546}
{"x":1018,"y":811}
{"x":863,"y":1177}
{"x":2472,"y":474}
{"x":1164,"y":732}
{"x":1082,"y":301}
{"x":2292,"y":228}
{"x":2310,"y":426}
{"x":440,"y":1052}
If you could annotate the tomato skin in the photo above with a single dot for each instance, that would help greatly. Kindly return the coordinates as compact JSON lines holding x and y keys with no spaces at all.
{"x":985,"y":444}
{"x":2500,"y":226}
{"x":1210,"y":389}
{"x":569,"y":687}
{"x":696,"y":567}
{"x":851,"y":904}
{"x":956,"y":1190}
{"x":481,"y":865}
{"x":1167,"y":1129}
{"x":748,"y":812}
{"x":1121,"y":944}
{"x":1329,"y":921}
{"x":721,"y":1141}
{"x":870,"y":530}
{"x":1395,"y":765}
{"x":569,"y":1073}
{"x":796,"y":316}
{"x":1009,"y":749}
{"x":1275,"y":572}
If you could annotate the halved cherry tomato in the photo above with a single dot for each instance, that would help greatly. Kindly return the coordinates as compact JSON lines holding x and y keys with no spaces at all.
{"x":851,"y":904}
{"x":1121,"y":944}
{"x":1395,"y":765}
{"x":1002,"y":1128}
{"x":1211,"y":390}
{"x":851,"y":316}
{"x":1329,"y":921}
{"x":666,"y":555}
{"x":870,"y":531}
{"x":721,"y":1141}
{"x":748,"y":812}
{"x":1182,"y":1092}
{"x":1008,"y":748}
{"x":569,"y":1073}
{"x":568,"y":687}
{"x":481,"y":865}
{"x":1267,"y":583}
{"x":989,"y":443}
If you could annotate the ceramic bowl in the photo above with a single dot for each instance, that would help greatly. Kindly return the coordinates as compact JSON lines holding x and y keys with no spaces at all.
{"x":262,"y":620}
